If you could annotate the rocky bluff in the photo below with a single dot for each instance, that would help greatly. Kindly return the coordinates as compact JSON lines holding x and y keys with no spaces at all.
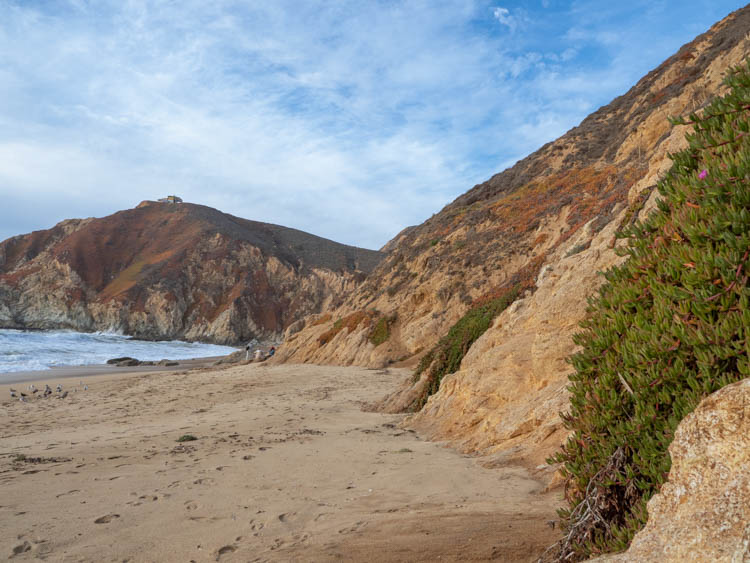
{"x":485,"y":298}
{"x":540,"y":232}
{"x":174,"y":271}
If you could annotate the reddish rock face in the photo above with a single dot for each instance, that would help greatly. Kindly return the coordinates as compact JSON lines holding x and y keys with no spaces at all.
{"x":166,"y":270}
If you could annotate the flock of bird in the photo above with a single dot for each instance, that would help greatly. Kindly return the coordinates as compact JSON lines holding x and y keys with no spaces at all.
{"x":32,"y":392}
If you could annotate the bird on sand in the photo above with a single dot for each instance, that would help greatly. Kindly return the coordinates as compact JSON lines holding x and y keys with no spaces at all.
{"x":59,"y":387}
{"x":13,"y":393}
{"x":85,"y":387}
{"x":64,"y":395}
{"x":35,"y":390}
{"x":23,"y":394}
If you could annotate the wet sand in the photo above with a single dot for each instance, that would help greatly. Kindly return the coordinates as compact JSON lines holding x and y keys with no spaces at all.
{"x":287,"y":466}
{"x":98,"y":369}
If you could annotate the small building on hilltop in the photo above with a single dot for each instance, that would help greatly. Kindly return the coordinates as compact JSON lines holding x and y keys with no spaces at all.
{"x":170,"y":199}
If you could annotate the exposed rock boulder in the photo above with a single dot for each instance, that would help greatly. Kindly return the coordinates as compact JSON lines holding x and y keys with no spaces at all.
{"x":703,"y":511}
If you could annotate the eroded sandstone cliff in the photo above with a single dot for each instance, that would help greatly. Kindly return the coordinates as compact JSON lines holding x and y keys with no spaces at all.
{"x":163,"y":271}
{"x":547,"y":223}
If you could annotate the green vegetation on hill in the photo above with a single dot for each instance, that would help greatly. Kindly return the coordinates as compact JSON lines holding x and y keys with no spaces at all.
{"x":670,"y":326}
{"x":445,"y":358}
{"x":380,"y":331}
{"x":379,"y":326}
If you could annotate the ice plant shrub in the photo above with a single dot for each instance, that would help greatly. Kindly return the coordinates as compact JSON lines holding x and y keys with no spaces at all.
{"x":670,"y":326}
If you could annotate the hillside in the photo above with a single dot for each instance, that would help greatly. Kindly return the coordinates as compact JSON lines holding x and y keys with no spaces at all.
{"x":541,"y":230}
{"x":164,"y":271}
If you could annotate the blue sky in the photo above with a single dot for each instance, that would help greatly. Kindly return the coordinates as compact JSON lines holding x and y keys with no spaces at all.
{"x":349,"y":120}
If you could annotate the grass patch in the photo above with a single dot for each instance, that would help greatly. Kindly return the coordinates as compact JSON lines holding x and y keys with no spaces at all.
{"x":381,"y":330}
{"x":323,"y":319}
{"x":186,"y":438}
{"x":445,"y":358}
{"x":577,"y":249}
{"x":350,"y":323}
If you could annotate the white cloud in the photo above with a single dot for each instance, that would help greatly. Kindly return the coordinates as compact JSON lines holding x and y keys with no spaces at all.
{"x":504,"y":17}
{"x":350,"y":122}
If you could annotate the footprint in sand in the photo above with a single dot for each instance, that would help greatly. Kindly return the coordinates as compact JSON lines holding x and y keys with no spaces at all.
{"x":224,"y":550}
{"x":21,"y":548}
{"x":256,"y":525}
{"x":354,"y":528}
{"x":106,"y":519}
{"x":286,"y":516}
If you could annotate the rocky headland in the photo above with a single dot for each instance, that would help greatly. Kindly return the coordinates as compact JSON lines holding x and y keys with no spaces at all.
{"x":174,"y":271}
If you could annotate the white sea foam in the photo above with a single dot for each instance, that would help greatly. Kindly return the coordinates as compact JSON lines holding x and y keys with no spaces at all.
{"x":22,"y":350}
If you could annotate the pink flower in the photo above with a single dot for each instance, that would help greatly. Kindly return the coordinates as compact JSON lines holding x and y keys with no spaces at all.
{"x":703,"y":174}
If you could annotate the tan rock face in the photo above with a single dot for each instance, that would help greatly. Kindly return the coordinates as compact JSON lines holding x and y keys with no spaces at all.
{"x":164,"y":271}
{"x":528,"y":218}
{"x":703,"y":511}
{"x":510,"y":389}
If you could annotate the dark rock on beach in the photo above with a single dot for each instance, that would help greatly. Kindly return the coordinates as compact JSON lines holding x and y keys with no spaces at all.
{"x":127,"y":361}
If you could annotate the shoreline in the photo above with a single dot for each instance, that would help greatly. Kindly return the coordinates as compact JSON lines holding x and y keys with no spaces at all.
{"x":91,"y":370}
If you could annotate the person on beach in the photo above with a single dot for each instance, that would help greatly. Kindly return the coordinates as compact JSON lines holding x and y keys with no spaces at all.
{"x":258,"y":355}
{"x":247,"y":352}
{"x":272,"y":351}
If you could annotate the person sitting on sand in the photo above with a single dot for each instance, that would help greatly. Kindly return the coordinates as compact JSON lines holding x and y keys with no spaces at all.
{"x":272,"y":351}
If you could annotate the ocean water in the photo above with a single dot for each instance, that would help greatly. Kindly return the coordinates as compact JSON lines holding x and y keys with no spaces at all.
{"x":22,"y":350}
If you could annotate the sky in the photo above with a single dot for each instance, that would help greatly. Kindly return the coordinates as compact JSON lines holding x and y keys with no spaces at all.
{"x":348,"y":120}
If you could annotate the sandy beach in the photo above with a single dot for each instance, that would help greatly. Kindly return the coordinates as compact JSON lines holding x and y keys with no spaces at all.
{"x":286,"y":466}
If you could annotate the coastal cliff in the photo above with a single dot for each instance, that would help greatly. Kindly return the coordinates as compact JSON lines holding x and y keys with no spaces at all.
{"x":488,"y":294}
{"x":544,"y":228}
{"x":547,"y":219}
{"x":174,"y":271}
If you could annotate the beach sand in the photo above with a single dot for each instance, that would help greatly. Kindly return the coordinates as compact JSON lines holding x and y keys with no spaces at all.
{"x":287,"y":466}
